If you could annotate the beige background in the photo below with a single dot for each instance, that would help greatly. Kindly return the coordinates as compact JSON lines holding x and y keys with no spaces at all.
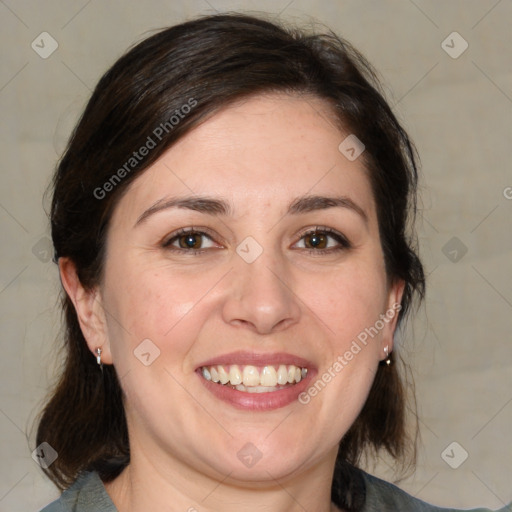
{"x":458,"y":110}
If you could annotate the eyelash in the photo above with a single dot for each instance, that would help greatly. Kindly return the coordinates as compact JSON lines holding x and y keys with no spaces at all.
{"x":344,"y":244}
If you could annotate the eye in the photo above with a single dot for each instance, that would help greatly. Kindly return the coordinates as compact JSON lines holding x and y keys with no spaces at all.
{"x":189,"y":240}
{"x":323,"y":240}
{"x":320,"y":240}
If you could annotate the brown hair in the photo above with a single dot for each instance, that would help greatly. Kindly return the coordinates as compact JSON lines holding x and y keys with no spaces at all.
{"x":207,"y":64}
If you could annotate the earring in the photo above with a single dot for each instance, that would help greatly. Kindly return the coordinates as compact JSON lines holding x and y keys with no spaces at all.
{"x":98,"y":357}
{"x":388,"y":358}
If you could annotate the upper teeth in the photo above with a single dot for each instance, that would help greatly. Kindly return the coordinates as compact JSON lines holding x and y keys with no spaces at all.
{"x":268,"y":376}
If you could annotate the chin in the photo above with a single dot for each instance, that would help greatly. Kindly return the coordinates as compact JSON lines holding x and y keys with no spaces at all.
{"x":258,"y":463}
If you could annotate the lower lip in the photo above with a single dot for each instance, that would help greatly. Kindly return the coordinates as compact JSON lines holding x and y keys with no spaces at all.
{"x":257,"y":401}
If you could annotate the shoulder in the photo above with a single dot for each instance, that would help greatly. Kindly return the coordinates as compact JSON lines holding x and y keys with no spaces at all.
{"x":382,"y":496}
{"x":87,"y":494}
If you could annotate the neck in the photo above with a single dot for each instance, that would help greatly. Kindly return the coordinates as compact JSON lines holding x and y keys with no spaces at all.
{"x":148,"y":484}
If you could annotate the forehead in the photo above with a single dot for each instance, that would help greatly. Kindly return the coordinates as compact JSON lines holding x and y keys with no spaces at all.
{"x":256,"y":153}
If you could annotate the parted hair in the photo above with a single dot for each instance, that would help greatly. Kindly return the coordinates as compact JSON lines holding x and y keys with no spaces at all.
{"x":209,"y":63}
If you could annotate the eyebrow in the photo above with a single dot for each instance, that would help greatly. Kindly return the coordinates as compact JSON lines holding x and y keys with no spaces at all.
{"x":213,"y":206}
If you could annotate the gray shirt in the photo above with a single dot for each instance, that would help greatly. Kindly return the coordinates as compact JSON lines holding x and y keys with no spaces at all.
{"x":88,"y":494}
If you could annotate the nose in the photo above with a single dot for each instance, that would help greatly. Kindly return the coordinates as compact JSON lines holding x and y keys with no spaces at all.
{"x":260,"y":296}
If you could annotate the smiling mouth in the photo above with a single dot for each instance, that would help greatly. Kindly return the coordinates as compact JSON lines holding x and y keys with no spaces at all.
{"x":254,"y":379}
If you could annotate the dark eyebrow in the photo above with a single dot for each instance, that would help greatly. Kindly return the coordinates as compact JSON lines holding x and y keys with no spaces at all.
{"x":199,"y":204}
{"x":210,"y":206}
{"x":311,"y":203}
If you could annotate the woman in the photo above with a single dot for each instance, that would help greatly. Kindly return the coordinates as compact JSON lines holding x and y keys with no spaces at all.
{"x":230,"y":225}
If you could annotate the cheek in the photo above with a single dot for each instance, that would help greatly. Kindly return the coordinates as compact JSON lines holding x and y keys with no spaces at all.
{"x":161,"y":305}
{"x":348,"y":301}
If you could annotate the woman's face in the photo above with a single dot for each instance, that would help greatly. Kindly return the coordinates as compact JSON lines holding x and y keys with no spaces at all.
{"x":250,"y":251}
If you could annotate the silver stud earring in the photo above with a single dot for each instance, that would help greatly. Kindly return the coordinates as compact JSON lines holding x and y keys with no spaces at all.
{"x":98,"y":357}
{"x":388,"y":358}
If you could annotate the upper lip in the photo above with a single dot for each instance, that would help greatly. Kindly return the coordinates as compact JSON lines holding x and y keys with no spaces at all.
{"x":243,"y":357}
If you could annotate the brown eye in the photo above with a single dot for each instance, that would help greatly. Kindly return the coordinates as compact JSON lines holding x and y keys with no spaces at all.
{"x":190,"y":241}
{"x":323,"y":240}
{"x":316,"y":240}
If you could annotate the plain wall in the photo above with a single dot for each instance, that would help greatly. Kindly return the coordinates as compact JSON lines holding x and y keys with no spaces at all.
{"x":457,"y":110}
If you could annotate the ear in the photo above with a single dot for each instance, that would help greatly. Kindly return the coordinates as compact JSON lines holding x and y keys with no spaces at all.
{"x":89,"y":310}
{"x":390,"y":316}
